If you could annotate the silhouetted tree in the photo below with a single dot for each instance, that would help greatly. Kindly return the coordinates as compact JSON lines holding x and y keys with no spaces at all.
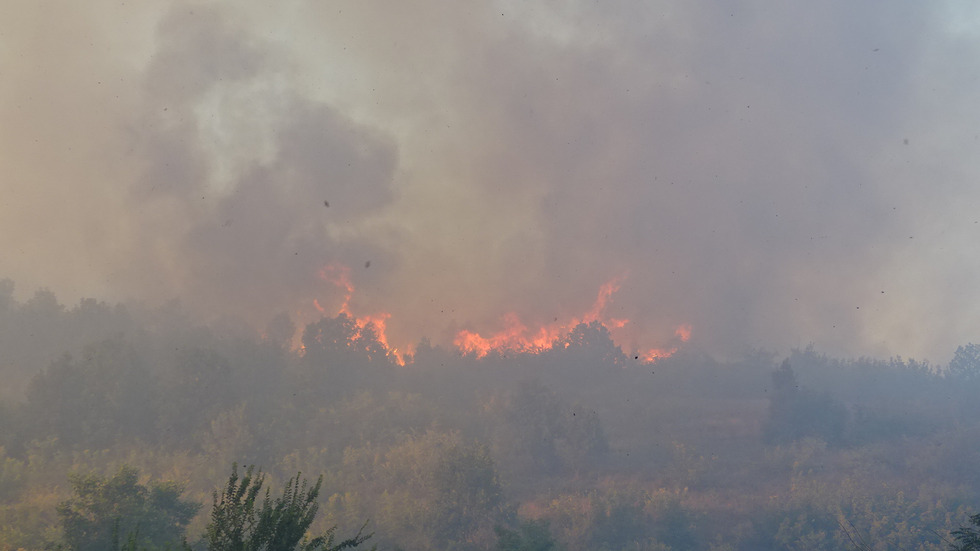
{"x":539,"y":434}
{"x":531,"y":535}
{"x":107,"y":395}
{"x":796,"y":413}
{"x":968,"y":537}
{"x":328,"y":337}
{"x":242,"y":519}
{"x":466,"y":490}
{"x":339,"y":356}
{"x":620,"y":523}
{"x":590,"y":345}
{"x":965,"y":365}
{"x":104,"y":511}
{"x":199,"y":385}
{"x":530,"y":425}
{"x":674,"y":528}
{"x":280,"y":331}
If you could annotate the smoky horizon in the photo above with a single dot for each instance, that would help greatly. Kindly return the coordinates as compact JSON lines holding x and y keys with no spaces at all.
{"x":441,"y":275}
{"x":763,"y":182}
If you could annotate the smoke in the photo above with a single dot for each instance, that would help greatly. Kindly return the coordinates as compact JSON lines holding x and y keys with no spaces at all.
{"x":771,"y":175}
{"x":261,"y":187}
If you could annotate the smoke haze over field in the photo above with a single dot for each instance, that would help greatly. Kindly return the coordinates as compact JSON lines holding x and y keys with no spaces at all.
{"x":771,"y":175}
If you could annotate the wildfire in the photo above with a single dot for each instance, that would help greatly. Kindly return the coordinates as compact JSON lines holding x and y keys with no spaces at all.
{"x":514,"y":337}
{"x":517,"y":337}
{"x":340,"y":276}
{"x":683,"y":333}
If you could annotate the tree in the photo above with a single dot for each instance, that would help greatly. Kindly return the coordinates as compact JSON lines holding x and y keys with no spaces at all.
{"x":539,"y":434}
{"x":107,"y":395}
{"x":239,"y":522}
{"x":433,"y":491}
{"x":619,"y":522}
{"x":531,"y":535}
{"x":796,"y":413}
{"x":467,"y":493}
{"x":329,"y":339}
{"x":968,"y":537}
{"x":584,"y":442}
{"x":965,"y":365}
{"x":106,"y":510}
{"x":280,"y":331}
{"x":529,"y":429}
{"x":339,"y":354}
{"x":588,"y":346}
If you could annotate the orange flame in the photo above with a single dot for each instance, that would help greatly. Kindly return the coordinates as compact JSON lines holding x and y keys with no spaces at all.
{"x":340,"y":276}
{"x":606,"y":290}
{"x":516,"y":337}
{"x":682,"y":333}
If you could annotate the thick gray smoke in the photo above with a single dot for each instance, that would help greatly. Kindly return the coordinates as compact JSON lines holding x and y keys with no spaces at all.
{"x":771,"y":175}
{"x":246,"y":170}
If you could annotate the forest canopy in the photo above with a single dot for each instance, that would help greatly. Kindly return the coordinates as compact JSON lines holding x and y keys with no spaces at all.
{"x":140,"y":412}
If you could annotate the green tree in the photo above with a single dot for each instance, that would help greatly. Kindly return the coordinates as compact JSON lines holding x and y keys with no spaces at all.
{"x":105,"y":510}
{"x":526,"y":436}
{"x":105,"y":396}
{"x":339,"y":355}
{"x":434,"y":491}
{"x":965,"y":365}
{"x":591,"y":346}
{"x":796,"y":413}
{"x":467,"y":492}
{"x":242,"y":519}
{"x":539,"y":434}
{"x":968,"y":537}
{"x":674,"y":527}
{"x":619,"y":522}
{"x":531,"y":535}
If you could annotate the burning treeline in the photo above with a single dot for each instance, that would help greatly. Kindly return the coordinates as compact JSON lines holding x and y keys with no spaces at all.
{"x":515,"y":337}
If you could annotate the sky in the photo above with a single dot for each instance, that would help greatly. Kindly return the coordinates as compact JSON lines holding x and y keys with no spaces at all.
{"x":772,"y":176}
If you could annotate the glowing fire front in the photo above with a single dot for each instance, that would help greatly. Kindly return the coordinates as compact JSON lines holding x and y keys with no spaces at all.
{"x":514,"y":337}
{"x":340,"y":276}
{"x":682,"y":333}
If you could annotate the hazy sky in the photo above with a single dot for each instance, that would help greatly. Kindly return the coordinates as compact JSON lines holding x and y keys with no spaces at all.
{"x":773,"y":174}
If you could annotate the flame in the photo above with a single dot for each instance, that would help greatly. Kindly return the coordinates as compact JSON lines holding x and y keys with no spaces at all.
{"x":340,"y":277}
{"x":682,"y":333}
{"x":655,"y":354}
{"x":516,"y":337}
{"x":606,"y":290}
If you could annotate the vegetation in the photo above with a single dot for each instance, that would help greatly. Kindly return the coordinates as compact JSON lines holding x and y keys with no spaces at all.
{"x":532,"y":535}
{"x":103,"y":511}
{"x":968,"y":537}
{"x":240,"y":523}
{"x":578,"y":448}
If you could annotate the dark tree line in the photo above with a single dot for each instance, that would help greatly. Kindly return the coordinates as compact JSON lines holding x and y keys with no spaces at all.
{"x":118,"y":512}
{"x":579,"y":447}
